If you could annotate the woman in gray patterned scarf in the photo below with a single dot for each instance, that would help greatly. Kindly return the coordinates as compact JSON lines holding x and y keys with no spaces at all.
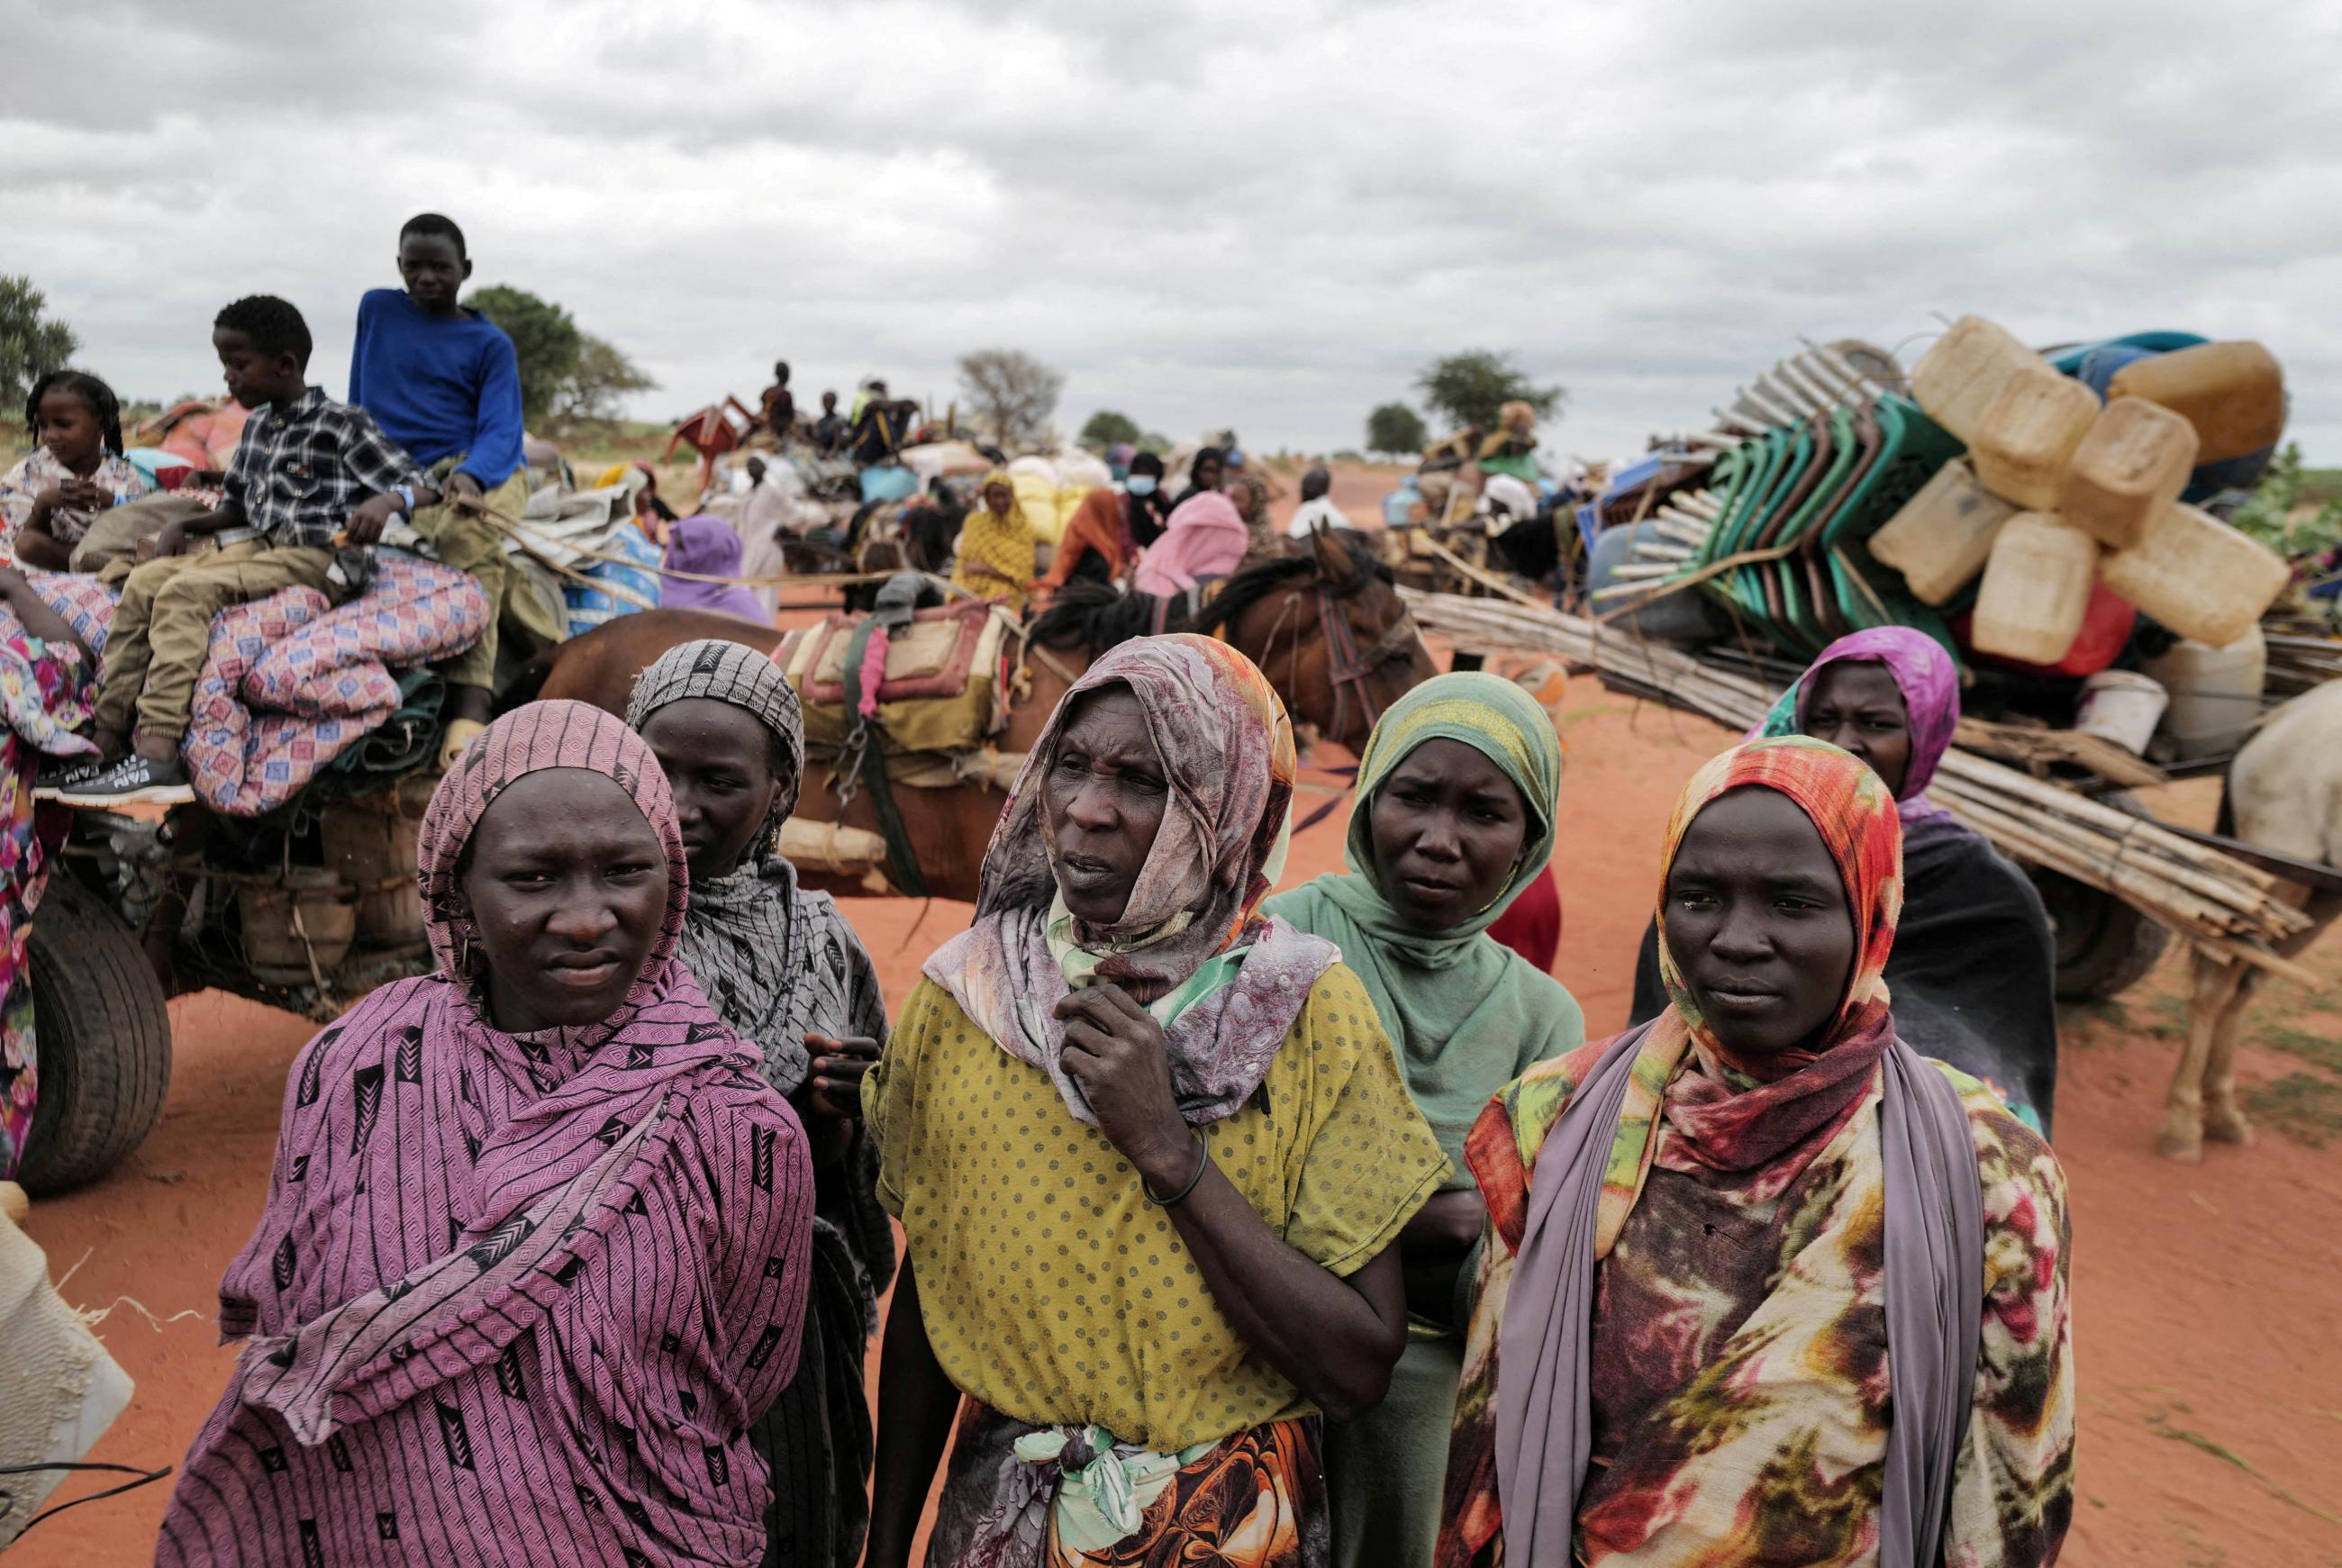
{"x":781,"y":966}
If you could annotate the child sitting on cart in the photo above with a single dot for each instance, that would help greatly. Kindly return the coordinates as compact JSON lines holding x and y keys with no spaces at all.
{"x":306,"y":470}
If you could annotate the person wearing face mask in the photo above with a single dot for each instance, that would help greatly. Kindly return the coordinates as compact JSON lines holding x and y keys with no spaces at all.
{"x":1146,"y":504}
{"x":1891,"y":697}
{"x":1454,"y":817}
{"x":1761,"y":1283}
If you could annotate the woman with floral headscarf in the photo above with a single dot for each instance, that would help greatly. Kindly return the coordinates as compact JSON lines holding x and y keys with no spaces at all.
{"x":1150,"y":1150}
{"x":997,"y":544}
{"x":1761,"y":1283}
{"x":1454,"y":818}
{"x":1975,"y":971}
{"x":534,"y":1259}
{"x":784,"y":968}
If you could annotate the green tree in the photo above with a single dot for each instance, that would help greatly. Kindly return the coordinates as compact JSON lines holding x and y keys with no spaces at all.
{"x":1468,"y":388}
{"x":32,"y":343}
{"x":1106,"y":427}
{"x":604,"y":375}
{"x":2284,"y":515}
{"x":546,"y":339}
{"x":1396,"y":427}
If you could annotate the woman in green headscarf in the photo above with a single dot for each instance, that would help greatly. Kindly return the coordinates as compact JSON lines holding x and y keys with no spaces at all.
{"x":1454,"y":817}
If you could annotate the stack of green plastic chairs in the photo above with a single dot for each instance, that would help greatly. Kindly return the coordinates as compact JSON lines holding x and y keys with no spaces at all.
{"x":1816,"y":492}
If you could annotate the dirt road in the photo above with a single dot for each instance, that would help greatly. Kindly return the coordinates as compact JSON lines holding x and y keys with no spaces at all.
{"x":2206,"y":1296}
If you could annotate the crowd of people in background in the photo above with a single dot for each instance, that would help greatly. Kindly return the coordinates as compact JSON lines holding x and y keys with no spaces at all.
{"x":1240,"y":1223}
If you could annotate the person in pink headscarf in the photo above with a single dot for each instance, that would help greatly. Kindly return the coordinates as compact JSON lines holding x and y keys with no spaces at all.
{"x":1207,"y":537}
{"x":535,"y":1258}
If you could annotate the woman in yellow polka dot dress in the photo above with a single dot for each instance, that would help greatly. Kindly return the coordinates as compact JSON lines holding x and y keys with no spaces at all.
{"x":1152,"y":1152}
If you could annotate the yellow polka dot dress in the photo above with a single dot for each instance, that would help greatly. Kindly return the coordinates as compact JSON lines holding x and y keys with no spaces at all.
{"x":1053,"y":1292}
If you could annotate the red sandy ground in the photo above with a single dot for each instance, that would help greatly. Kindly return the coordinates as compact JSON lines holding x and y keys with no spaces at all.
{"x":2205,"y":1296}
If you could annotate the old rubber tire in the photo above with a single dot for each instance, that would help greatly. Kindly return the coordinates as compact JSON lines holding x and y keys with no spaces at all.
{"x":2104,"y":945}
{"x":102,"y":1038}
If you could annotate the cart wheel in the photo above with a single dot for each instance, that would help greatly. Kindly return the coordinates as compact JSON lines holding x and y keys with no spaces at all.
{"x":2104,"y":945}
{"x":103,"y":1041}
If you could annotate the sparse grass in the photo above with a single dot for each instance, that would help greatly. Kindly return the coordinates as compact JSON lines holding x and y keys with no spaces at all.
{"x":2319,"y":1050}
{"x":2221,"y":1451}
{"x":2304,"y":1106}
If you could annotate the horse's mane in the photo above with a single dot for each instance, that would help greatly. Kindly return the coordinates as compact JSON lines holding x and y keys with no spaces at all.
{"x":1099,"y":617}
{"x":1250,"y":586}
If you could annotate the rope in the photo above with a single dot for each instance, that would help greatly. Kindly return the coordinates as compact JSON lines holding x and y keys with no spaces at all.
{"x":522,"y":531}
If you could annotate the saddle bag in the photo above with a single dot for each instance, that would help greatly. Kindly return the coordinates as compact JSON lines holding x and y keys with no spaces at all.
{"x":937,"y":694}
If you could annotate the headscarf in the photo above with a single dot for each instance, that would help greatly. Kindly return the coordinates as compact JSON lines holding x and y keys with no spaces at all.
{"x":1207,"y":537}
{"x":1224,"y":980}
{"x":996,"y":551}
{"x":1101,"y":523}
{"x":611,"y":1093}
{"x":752,"y":936}
{"x":529,"y":740}
{"x":1930,"y":684}
{"x":1593,"y":1164}
{"x":1447,"y":997}
{"x":709,"y":547}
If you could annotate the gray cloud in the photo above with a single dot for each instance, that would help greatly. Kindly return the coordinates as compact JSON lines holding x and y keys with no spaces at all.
{"x":1258,"y":214}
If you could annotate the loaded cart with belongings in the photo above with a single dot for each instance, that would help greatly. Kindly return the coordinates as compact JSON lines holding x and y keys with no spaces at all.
{"x":290,"y":879}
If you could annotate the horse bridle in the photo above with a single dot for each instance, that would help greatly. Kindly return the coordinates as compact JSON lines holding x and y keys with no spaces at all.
{"x":1345,"y":666}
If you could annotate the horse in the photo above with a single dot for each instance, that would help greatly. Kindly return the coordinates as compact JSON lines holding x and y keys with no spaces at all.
{"x":1303,"y":620}
{"x":1327,"y":626}
{"x":2284,"y":794}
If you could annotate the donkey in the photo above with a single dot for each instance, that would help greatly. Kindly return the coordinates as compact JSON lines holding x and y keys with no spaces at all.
{"x":2284,"y":794}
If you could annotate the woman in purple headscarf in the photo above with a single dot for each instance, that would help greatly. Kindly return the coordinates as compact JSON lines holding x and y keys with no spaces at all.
{"x":535,"y":1256}
{"x":1974,"y":972}
{"x":707,"y":546}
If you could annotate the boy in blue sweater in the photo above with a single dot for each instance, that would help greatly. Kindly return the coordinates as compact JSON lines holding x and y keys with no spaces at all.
{"x":444,"y":383}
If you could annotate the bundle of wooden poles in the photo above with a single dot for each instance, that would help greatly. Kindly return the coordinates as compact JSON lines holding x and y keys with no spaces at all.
{"x":2223,"y":904}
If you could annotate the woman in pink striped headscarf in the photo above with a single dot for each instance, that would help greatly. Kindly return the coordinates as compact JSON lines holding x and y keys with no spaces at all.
{"x":535,"y":1254}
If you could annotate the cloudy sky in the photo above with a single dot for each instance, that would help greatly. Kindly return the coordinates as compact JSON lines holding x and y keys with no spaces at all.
{"x":1254,"y":213}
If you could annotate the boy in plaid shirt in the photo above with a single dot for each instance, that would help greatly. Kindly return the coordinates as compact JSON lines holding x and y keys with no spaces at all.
{"x":306,"y":470}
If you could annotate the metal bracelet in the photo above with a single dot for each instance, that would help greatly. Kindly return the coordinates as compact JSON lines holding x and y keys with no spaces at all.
{"x":1203,"y":1162}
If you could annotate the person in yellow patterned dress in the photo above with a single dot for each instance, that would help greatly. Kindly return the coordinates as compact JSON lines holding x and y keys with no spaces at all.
{"x":997,"y":544}
{"x":1151,"y":1150}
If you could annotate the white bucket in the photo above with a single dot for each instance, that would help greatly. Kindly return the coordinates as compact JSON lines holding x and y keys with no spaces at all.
{"x":2122,"y":707}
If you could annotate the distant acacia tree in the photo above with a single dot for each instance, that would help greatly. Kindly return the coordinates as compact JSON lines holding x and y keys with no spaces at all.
{"x":32,"y":342}
{"x":1010,"y":396}
{"x":1396,"y":427}
{"x":1468,"y":388}
{"x":546,"y":339}
{"x":1106,"y":427}
{"x":603,"y":377}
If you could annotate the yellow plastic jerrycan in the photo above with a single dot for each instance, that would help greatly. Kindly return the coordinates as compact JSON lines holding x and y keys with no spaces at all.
{"x":2198,"y":577}
{"x":1958,"y":378}
{"x":2027,"y":436}
{"x":2132,"y":463}
{"x":2232,"y":393}
{"x":2036,"y":589}
{"x":1943,"y":535}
